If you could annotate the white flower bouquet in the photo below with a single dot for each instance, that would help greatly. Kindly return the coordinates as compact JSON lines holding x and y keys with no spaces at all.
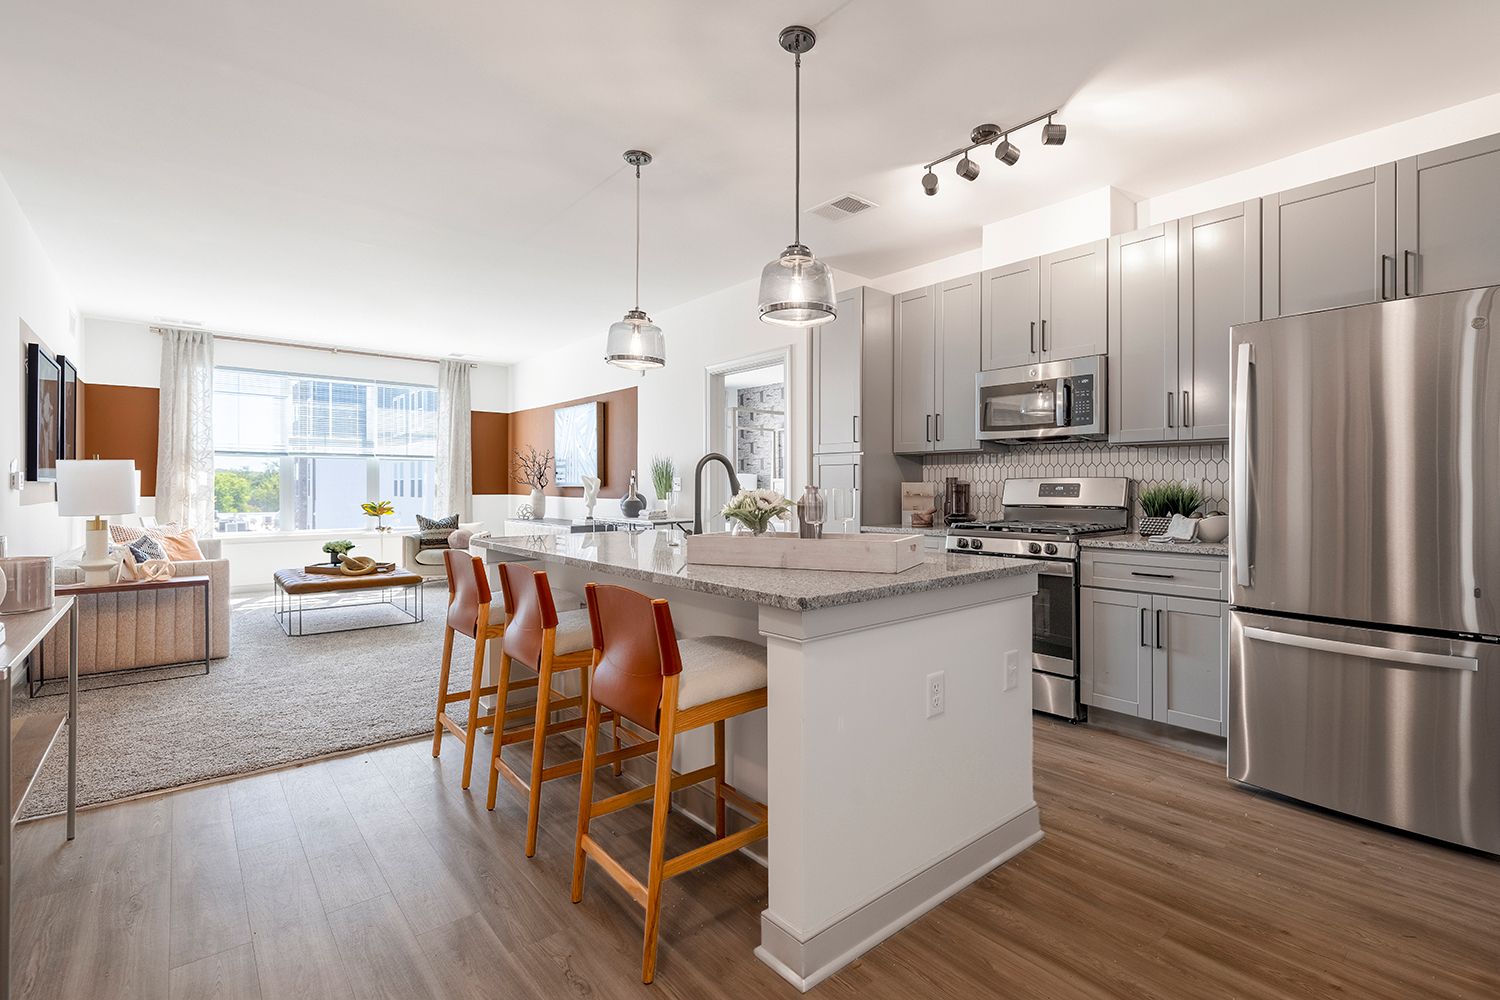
{"x":755,"y":508}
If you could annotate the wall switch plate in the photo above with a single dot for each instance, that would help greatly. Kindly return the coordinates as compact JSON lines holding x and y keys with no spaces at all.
{"x":1012,"y":669}
{"x":16,"y":482}
{"x":936,"y":694}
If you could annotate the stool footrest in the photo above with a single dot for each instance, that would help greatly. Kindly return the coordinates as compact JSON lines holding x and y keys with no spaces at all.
{"x":625,"y":753}
{"x":692,"y":859}
{"x":733,"y":797}
{"x":616,"y":871}
{"x":635,"y":795}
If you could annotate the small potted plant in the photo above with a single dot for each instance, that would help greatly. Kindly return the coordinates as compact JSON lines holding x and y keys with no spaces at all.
{"x":662,"y":474}
{"x":1161,"y":501}
{"x":377,"y":511}
{"x":531,"y":469}
{"x":752,"y":510}
{"x":337,"y":549}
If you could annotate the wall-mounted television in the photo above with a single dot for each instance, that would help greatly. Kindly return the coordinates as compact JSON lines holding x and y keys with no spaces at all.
{"x":44,"y":411}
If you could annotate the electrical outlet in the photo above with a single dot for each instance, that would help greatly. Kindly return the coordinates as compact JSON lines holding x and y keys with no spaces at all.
{"x":1012,"y":669}
{"x":936,"y":694}
{"x":677,"y":483}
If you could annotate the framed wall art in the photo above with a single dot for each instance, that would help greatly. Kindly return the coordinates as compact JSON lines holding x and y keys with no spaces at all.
{"x":578,"y":442}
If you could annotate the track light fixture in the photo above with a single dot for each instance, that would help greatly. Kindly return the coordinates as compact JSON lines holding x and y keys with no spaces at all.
{"x":1053,"y":134}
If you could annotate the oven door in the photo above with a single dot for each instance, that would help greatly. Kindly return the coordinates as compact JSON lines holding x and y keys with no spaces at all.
{"x":1054,"y":641}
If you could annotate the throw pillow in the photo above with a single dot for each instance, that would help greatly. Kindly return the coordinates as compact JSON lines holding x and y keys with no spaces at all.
{"x":460,"y":539}
{"x":124,"y":534}
{"x":181,"y":547}
{"x":433,"y":534}
{"x":145,"y":548}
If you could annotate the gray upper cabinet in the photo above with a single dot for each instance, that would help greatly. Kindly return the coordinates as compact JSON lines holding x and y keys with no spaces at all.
{"x":1074,"y":316}
{"x":1218,"y":284}
{"x":1448,"y":218}
{"x":916,"y":363}
{"x":1010,"y":304}
{"x":837,"y":352}
{"x":1143,"y":346}
{"x":957,"y":342}
{"x":1330,"y":244}
{"x":937,"y":356}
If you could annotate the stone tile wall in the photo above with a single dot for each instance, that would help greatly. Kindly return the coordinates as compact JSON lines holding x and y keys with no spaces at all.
{"x":755,"y":449}
{"x":1205,"y":466}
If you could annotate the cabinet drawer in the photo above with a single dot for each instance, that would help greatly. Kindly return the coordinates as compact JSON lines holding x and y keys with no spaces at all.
{"x":1203,"y":577}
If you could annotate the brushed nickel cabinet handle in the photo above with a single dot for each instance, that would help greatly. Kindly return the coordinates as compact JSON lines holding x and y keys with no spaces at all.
{"x":1158,"y":628}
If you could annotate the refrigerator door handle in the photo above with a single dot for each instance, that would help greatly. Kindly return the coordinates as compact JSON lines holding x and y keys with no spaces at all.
{"x":1240,"y":516}
{"x":1360,"y":649}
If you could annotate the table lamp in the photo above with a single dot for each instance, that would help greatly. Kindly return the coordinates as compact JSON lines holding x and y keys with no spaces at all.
{"x":96,"y":489}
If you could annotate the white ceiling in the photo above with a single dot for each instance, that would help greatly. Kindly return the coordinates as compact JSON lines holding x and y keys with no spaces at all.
{"x":445,"y":176}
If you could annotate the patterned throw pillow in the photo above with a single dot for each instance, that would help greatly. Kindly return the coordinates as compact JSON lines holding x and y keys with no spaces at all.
{"x":124,"y":534}
{"x":144,"y":548}
{"x":433,"y":534}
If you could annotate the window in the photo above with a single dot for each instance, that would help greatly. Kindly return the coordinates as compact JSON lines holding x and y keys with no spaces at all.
{"x":297,"y":452}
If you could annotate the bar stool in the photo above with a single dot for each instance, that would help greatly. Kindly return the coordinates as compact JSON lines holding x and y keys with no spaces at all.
{"x":643,"y":673}
{"x":540,"y":638}
{"x":469,"y":614}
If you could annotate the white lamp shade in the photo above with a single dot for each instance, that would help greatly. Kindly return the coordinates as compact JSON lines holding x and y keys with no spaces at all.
{"x":95,"y":488}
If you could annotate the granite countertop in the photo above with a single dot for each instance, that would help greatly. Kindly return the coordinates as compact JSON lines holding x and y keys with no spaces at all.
{"x":890,"y":529}
{"x":650,"y":558}
{"x":1138,"y":544}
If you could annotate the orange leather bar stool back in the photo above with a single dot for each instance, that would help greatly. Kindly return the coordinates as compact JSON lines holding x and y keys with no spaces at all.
{"x":645,"y":674}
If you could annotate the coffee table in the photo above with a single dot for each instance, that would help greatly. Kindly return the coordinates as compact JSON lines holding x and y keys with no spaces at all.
{"x":298,"y":592}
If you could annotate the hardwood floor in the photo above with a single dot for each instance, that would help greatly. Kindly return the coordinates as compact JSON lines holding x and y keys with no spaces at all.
{"x":376,"y":876}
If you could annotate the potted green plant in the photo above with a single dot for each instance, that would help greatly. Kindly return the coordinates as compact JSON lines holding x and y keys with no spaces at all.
{"x":662,"y":474}
{"x":337,"y":549}
{"x":1160,"y":501}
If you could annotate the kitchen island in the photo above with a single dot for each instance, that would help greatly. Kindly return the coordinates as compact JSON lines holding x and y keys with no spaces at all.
{"x":882,"y":803}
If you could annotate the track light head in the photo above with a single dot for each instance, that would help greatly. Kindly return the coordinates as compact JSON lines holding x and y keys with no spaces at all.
{"x":1006,"y":152}
{"x":1054,"y":135}
{"x":929,"y":182}
{"x":967,"y":168}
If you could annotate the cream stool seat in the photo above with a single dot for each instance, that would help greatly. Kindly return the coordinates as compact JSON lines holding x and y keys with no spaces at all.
{"x":574,"y":633}
{"x":718,"y":666}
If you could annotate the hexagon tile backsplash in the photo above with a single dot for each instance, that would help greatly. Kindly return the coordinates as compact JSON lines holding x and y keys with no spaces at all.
{"x":1203,"y":465}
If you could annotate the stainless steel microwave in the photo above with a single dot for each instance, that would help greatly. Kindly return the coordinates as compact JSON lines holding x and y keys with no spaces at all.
{"x":1056,"y":399}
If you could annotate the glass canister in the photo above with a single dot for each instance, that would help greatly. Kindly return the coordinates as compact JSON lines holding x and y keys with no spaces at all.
{"x":29,"y":584}
{"x":812,"y":511}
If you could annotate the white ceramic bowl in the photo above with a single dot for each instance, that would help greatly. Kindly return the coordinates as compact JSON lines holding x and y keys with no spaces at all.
{"x":1214,"y":528}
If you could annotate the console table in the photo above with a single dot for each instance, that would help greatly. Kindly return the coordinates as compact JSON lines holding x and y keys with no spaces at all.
{"x":31,"y":738}
{"x":76,"y":590}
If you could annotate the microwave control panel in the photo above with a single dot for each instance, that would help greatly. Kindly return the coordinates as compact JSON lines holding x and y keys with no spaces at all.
{"x":1081,"y":413}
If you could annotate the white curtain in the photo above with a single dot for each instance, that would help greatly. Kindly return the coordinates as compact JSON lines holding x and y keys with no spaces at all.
{"x":185,"y":432}
{"x":455,"y":475}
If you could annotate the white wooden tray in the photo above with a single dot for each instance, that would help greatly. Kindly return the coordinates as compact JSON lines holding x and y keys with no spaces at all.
{"x":874,"y":553}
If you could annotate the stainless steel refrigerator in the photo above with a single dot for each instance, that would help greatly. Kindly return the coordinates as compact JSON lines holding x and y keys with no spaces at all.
{"x":1365,"y":562}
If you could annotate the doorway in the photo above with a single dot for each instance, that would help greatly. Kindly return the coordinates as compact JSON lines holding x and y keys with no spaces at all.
{"x":750,"y":422}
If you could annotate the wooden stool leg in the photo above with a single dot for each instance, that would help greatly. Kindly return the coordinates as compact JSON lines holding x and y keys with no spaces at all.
{"x":539,"y":740}
{"x":437,"y":733}
{"x":502,"y":698}
{"x":719,"y":779}
{"x":661,"y":803}
{"x":474,"y":685}
{"x":619,"y":765}
{"x":586,"y":796}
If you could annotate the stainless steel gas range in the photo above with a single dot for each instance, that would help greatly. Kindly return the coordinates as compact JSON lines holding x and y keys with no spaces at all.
{"x":1044,"y":519}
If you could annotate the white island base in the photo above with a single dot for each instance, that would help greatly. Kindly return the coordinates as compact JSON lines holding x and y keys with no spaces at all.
{"x":879,"y":810}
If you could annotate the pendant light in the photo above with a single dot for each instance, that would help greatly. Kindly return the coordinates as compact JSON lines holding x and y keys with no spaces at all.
{"x":635,"y":342}
{"x":796,"y":289}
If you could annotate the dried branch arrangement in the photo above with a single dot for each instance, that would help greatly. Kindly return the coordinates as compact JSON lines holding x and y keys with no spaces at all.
{"x":531,"y":469}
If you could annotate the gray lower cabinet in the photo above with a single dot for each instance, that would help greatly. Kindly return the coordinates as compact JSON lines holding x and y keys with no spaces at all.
{"x":1175,"y":289}
{"x":1149,"y":651}
{"x":937,"y":356}
{"x":1448,"y":219}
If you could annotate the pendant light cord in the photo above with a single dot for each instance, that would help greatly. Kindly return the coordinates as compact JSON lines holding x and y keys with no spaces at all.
{"x":797,"y":220}
{"x":638,"y":240}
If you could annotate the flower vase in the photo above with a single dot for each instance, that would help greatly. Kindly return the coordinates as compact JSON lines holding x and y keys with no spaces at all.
{"x":538,"y":504}
{"x":741,"y":528}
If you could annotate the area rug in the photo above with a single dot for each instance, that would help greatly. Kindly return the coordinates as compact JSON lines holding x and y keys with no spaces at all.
{"x":274,"y":700}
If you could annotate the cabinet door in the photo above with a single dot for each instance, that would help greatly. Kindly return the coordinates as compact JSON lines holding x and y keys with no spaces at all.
{"x":1448,"y":218}
{"x":839,"y":472}
{"x":1115,"y":632}
{"x":1331,"y":244}
{"x":1010,"y":301}
{"x":1143,"y":401}
{"x":915,"y":353}
{"x":837,"y":350}
{"x":957,"y":363}
{"x":1190,"y":663}
{"x":1219,"y":284}
{"x":1075,"y":302}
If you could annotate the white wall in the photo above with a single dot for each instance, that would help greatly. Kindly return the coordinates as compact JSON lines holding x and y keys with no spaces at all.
{"x":31,"y":293}
{"x":1096,"y":215}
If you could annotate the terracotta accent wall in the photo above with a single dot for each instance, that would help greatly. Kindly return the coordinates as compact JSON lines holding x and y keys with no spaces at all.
{"x":534,"y":427}
{"x":119,"y":421}
{"x":489,"y":437}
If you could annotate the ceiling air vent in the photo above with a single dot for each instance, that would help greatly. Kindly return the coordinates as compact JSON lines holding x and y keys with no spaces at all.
{"x":842,"y":207}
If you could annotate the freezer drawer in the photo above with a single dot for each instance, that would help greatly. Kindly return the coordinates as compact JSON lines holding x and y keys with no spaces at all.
{"x":1395,"y":728}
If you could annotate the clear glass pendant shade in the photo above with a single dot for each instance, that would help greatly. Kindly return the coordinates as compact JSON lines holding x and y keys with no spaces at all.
{"x":797,"y":290}
{"x":636,"y":343}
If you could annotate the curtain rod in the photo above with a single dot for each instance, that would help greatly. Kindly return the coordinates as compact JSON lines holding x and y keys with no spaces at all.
{"x":312,"y":347}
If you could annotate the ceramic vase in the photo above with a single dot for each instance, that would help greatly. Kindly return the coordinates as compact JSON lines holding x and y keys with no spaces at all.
{"x":538,"y":504}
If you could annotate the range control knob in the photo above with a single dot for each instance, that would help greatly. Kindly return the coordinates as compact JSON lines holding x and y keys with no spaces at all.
{"x":978,"y":543}
{"x":1034,"y":548}
{"x":1051,"y":549}
{"x":963,"y":543}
